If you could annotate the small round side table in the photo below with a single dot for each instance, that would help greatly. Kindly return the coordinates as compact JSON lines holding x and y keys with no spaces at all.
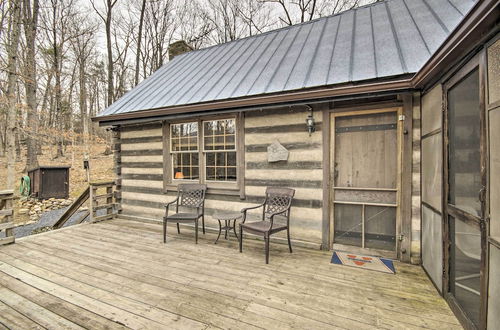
{"x":227,"y":218}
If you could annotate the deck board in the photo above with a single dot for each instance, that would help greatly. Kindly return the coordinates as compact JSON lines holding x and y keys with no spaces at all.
{"x":118,"y":273}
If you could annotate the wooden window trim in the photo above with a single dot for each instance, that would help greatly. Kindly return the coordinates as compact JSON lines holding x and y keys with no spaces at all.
{"x":223,"y":188}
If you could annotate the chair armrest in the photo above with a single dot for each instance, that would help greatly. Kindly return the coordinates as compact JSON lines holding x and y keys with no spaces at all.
{"x":272,"y":215}
{"x":172,"y":202}
{"x":244,"y":210}
{"x":168,"y":204}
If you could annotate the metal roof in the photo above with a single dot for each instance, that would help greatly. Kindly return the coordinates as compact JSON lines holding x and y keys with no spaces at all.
{"x":384,"y":39}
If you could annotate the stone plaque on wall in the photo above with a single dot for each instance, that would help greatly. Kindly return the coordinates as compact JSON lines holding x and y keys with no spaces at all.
{"x":276,"y":152}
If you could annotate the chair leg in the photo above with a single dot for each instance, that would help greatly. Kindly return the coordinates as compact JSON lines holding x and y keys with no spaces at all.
{"x":196,"y":231}
{"x":203,"y":223}
{"x":241,"y":239}
{"x":266,"y":240}
{"x":164,"y":231}
{"x":178,"y":229}
{"x":288,"y":236}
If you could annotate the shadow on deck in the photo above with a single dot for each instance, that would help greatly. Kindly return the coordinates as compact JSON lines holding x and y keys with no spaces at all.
{"x":118,"y":274}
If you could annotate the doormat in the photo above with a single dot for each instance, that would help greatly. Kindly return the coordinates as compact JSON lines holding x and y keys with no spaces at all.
{"x":363,"y":262}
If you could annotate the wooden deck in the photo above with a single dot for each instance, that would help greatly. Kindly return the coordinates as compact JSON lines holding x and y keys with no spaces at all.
{"x":118,"y":274}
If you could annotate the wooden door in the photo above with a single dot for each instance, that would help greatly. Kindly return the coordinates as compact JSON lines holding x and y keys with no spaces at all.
{"x":366,"y":154}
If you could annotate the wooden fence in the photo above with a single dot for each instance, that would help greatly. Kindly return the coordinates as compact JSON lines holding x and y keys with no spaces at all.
{"x":7,"y":216}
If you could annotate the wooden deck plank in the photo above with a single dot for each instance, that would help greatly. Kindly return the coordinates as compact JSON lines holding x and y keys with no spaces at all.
{"x":12,"y":319}
{"x":369,"y":276}
{"x":38,"y":314}
{"x":119,"y":273}
{"x":235,"y":295}
{"x":152,"y":317}
{"x":59,"y":306}
{"x":397,"y":315}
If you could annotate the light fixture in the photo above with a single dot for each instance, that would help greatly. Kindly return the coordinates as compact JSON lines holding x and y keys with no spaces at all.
{"x":310,"y":122}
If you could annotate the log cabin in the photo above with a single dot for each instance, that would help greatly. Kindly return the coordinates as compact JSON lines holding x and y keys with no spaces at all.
{"x":387,"y":119}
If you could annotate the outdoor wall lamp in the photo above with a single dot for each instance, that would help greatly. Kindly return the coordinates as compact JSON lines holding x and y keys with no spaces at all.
{"x":310,"y":122}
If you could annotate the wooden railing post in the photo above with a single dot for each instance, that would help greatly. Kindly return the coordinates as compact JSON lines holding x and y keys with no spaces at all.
{"x":7,"y":212}
{"x":100,"y":201}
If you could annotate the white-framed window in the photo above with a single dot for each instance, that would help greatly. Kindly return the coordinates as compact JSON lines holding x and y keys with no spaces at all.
{"x":203,"y":151}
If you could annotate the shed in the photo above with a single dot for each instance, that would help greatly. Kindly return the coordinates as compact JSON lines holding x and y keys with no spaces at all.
{"x":49,"y":181}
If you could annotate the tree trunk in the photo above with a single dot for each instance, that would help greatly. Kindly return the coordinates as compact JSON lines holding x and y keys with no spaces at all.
{"x":110,"y":57}
{"x":139,"y":39}
{"x":12,"y":49}
{"x":30,"y":83}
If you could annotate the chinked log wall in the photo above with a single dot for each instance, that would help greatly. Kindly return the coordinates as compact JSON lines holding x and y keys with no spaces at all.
{"x":139,"y":163}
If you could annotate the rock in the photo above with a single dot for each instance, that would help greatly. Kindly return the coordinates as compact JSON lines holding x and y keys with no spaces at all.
{"x":23,"y":211}
{"x":276,"y":152}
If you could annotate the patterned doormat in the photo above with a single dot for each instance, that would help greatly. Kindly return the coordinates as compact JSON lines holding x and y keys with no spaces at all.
{"x":363,"y":262}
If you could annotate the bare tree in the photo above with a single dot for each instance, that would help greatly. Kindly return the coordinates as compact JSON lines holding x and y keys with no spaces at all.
{"x":30,"y":20}
{"x":107,"y":19}
{"x":139,"y":40}
{"x":12,"y":49}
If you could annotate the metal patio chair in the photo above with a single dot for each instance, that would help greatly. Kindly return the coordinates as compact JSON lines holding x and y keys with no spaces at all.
{"x":278,"y":202}
{"x":190,"y":197}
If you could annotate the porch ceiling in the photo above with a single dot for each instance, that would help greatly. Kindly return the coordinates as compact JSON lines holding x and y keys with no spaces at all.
{"x":118,"y":274}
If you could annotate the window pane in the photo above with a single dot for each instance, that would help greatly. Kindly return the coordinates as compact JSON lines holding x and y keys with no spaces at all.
{"x":465,"y":266}
{"x":221,"y":166}
{"x":464,"y":145}
{"x":184,"y":136}
{"x":219,"y":134}
{"x":185,"y":166}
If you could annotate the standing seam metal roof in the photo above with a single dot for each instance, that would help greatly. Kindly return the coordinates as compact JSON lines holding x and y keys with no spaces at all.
{"x":384,"y":39}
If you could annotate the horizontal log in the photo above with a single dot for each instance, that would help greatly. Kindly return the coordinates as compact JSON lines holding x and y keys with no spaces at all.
{"x":141,"y":170}
{"x":280,"y":174}
{"x":142,"y":146}
{"x":142,"y":159}
{"x":284,"y":183}
{"x":142,"y":152}
{"x":282,"y":137}
{"x":281,"y":128}
{"x":147,"y":177}
{"x":141,"y":165}
{"x":141,"y":139}
{"x":283,"y":165}
{"x":288,"y":146}
{"x":304,"y":203}
{"x":141,"y":127}
{"x":142,"y":133}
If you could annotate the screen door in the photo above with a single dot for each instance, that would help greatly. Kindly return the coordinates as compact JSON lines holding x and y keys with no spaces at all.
{"x":365,"y":180}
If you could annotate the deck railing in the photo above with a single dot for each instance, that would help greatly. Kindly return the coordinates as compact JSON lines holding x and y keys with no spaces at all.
{"x":103,"y":197}
{"x":7,"y":216}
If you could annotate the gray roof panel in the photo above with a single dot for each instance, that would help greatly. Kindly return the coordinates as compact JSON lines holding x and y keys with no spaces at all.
{"x":342,"y":54}
{"x":322,"y":59}
{"x":384,"y":39}
{"x":386,"y":49}
{"x":364,"y":65}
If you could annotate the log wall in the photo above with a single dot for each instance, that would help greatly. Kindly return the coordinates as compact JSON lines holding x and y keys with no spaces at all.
{"x":141,"y":170}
